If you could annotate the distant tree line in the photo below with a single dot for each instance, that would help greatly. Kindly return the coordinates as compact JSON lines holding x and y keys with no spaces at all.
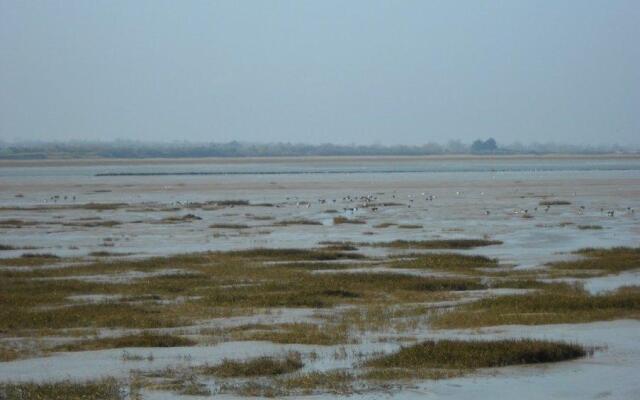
{"x":134,"y":149}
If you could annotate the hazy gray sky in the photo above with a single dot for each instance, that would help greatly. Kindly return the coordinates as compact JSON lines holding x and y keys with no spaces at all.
{"x":321,"y":71}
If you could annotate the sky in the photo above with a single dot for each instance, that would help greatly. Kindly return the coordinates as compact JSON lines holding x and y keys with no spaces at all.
{"x":358,"y":71}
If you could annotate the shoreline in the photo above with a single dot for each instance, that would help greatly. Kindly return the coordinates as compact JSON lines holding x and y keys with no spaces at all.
{"x":299,"y":159}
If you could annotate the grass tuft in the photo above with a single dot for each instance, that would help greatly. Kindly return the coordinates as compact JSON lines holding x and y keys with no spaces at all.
{"x":301,"y":333}
{"x":229,"y":226}
{"x":590,"y":227}
{"x":339,"y":220}
{"x":142,"y":340}
{"x":462,"y":354}
{"x":552,"y":306}
{"x":554,"y":203}
{"x":447,"y":262}
{"x":261,"y":366}
{"x":105,"y":389}
{"x":436,"y":244}
{"x":613,"y":260}
{"x":299,"y":221}
{"x":410,"y":226}
{"x":334,"y":382}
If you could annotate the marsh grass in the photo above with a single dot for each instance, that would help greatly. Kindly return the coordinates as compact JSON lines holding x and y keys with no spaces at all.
{"x":589,"y":227}
{"x":100,"y":206}
{"x":446,"y":262}
{"x":180,"y":218}
{"x":15,"y":223}
{"x":103,"y":253}
{"x":212,"y":285}
{"x":299,"y":221}
{"x":219,"y":283}
{"x":40,"y":255}
{"x":528,"y":283}
{"x":435,"y":244}
{"x":333,"y":382}
{"x":551,"y":306}
{"x":358,"y":288}
{"x":346,"y":303}
{"x":338,"y":246}
{"x":339,"y":220}
{"x":30,"y":260}
{"x":606,"y":261}
{"x":231,"y":203}
{"x":141,"y":340}
{"x":402,"y":374}
{"x":229,"y":226}
{"x":554,"y":203}
{"x":384,"y":225}
{"x":472,"y":354}
{"x":105,"y":389}
{"x":384,"y":318}
{"x":8,"y":353}
{"x":261,"y":217}
{"x":261,"y":366}
{"x":253,"y":389}
{"x":180,"y":381}
{"x":295,"y":254}
{"x":324,"y":265}
{"x":110,"y":315}
{"x":93,"y":224}
{"x":299,"y":333}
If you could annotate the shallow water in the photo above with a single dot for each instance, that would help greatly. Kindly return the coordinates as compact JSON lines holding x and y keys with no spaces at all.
{"x":470,"y":198}
{"x":460,"y":198}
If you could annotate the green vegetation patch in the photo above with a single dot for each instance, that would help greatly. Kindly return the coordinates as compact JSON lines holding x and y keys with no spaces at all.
{"x":446,"y":262}
{"x":554,"y":203}
{"x":15,"y":223}
{"x":334,"y":382}
{"x":297,"y":222}
{"x":344,"y":220}
{"x":229,"y":226}
{"x":110,"y":315}
{"x":296,"y":254}
{"x":410,"y":226}
{"x":8,"y":354}
{"x":590,"y":227}
{"x":471,"y":354}
{"x":261,"y":366}
{"x":298,"y":333}
{"x":551,"y":306}
{"x":338,"y":246}
{"x":607,"y":261}
{"x":383,"y":225}
{"x":142,"y":340}
{"x":436,"y":244}
{"x":105,"y":389}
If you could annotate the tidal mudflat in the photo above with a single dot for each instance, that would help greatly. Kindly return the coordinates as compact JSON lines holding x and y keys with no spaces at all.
{"x":392,"y":277}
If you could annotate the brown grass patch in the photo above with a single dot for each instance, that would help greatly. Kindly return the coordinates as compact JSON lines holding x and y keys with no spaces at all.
{"x":145,"y":339}
{"x":552,"y":306}
{"x":105,"y":389}
{"x":435,"y":244}
{"x":261,"y":366}
{"x":472,"y":354}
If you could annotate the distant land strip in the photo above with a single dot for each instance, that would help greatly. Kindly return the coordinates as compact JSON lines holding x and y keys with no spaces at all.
{"x":380,"y":171}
